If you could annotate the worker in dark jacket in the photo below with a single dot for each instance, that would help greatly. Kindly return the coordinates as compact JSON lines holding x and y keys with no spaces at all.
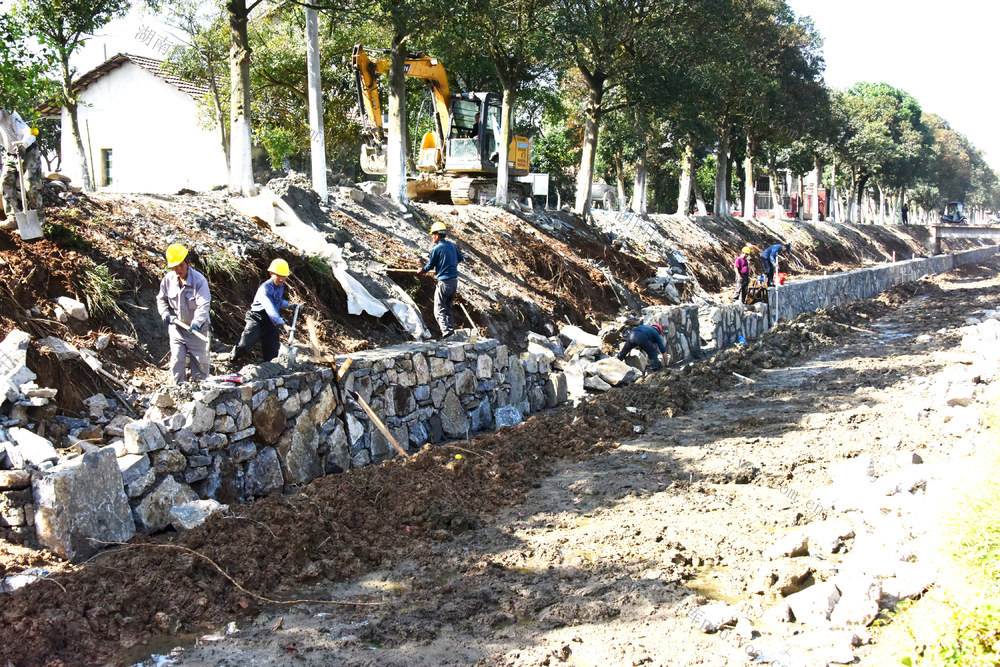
{"x":769,"y":258}
{"x":263,"y":322}
{"x":443,"y":262}
{"x":647,"y":338}
{"x":742,"y":266}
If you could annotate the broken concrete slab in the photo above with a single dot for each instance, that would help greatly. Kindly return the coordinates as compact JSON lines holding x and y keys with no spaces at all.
{"x":81,"y":503}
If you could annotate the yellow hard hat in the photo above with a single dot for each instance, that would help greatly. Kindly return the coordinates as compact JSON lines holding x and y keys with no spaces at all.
{"x":438,"y":227}
{"x":34,"y":131}
{"x":747,"y":249}
{"x":280,"y":267}
{"x":176,"y":253}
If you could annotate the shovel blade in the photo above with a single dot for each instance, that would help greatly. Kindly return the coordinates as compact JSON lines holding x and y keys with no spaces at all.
{"x":28,"y":225}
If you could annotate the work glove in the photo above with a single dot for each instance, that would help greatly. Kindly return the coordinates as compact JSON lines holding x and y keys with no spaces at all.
{"x":169,"y":320}
{"x":195,"y":327}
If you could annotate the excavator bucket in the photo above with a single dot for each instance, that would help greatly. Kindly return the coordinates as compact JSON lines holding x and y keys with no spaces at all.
{"x":430,"y":153}
{"x":373,"y":159}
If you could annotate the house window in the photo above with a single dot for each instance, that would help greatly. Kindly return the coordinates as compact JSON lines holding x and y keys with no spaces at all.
{"x":106,"y":167}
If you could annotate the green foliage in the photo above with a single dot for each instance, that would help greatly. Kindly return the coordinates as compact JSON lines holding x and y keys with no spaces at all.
{"x":103,"y":291}
{"x":319,"y":266}
{"x":24,"y":74}
{"x":221,"y":266}
{"x":65,"y":237}
{"x":975,"y":642}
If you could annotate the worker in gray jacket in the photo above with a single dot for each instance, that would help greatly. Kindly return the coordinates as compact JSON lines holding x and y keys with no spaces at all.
{"x":183,"y":303}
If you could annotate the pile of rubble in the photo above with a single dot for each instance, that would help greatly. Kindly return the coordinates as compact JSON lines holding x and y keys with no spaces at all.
{"x":59,"y":191}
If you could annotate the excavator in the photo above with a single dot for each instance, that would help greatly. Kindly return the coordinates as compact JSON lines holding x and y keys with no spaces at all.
{"x":459,"y":156}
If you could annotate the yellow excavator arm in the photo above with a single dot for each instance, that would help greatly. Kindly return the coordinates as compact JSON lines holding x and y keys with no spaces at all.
{"x":427,"y":69}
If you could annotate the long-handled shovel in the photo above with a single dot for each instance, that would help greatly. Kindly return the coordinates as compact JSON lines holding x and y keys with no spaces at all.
{"x":28,"y":224}
{"x":288,"y":350}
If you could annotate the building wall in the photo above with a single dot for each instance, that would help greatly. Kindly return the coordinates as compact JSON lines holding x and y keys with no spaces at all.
{"x":153,"y":132}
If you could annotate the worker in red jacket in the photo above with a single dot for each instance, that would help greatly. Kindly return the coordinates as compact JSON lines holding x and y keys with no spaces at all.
{"x":742,"y":266}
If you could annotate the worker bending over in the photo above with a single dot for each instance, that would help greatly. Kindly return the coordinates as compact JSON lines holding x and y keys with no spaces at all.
{"x":647,"y":338}
{"x":769,"y":258}
{"x":183,"y":303}
{"x":444,"y":261}
{"x":263,"y":322}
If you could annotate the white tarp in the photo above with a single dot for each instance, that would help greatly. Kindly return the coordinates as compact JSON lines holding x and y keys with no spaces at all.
{"x":273,"y":210}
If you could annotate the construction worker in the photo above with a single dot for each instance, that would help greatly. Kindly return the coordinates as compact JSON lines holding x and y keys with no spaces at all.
{"x":263,"y":321}
{"x":443,"y":262}
{"x":769,"y":258}
{"x":20,"y":152}
{"x":183,"y":303}
{"x":649,"y":339}
{"x":742,"y":266}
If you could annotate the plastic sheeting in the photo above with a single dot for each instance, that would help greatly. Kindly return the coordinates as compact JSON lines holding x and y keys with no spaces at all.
{"x":283,"y":222}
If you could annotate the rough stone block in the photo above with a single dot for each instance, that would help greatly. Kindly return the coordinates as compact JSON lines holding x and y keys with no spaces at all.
{"x":465,"y":383}
{"x":613,"y":371}
{"x":263,"y":474}
{"x":814,"y":604}
{"x":132,"y":467}
{"x":301,"y":459}
{"x":193,"y":514}
{"x":168,"y":460}
{"x":795,"y":544}
{"x":152,"y":513}
{"x":143,"y":436}
{"x":80,"y":501}
{"x":33,"y":448}
{"x":508,"y":416}
{"x":12,"y":480}
{"x":454,"y":420}
{"x":269,"y":420}
{"x":198,"y":417}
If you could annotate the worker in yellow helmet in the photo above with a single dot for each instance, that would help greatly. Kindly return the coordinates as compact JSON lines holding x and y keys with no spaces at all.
{"x":263,"y":322}
{"x":21,"y":164}
{"x":443,"y":262}
{"x":183,"y":302}
{"x":742,"y":266}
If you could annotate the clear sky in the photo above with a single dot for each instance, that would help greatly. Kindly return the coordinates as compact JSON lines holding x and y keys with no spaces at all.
{"x":945,"y":54}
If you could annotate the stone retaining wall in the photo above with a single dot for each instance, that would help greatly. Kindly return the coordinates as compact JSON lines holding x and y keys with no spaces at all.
{"x":807,"y":294}
{"x":233,"y":443}
{"x":681,"y":330}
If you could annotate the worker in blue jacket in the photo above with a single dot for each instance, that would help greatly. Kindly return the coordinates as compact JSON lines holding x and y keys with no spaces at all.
{"x":263,"y":322}
{"x":647,"y":338}
{"x":769,"y":258}
{"x":443,"y":262}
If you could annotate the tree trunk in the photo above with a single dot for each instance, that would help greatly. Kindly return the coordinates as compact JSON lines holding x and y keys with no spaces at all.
{"x":585,"y":178}
{"x":814,"y":204}
{"x":639,"y":192}
{"x":799,"y":197}
{"x":881,"y":205}
{"x":241,"y":171}
{"x":620,"y":180}
{"x":833,"y":195}
{"x":699,"y":198}
{"x":503,"y":167}
{"x":750,"y":188}
{"x":317,"y":138}
{"x":776,"y":207}
{"x":684,"y":188}
{"x":395,"y":176}
{"x":69,"y":100}
{"x":721,"y":206}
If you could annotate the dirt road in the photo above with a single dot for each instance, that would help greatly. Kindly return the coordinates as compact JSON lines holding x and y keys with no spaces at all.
{"x":603,"y":561}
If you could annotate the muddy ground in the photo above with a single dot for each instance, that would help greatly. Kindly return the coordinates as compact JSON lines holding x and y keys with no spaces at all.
{"x":570,"y":538}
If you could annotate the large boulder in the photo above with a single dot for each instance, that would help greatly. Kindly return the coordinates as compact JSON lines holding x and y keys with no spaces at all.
{"x":80,"y":504}
{"x":301,"y":459}
{"x":454,"y":419}
{"x":574,"y":334}
{"x":263,"y":474}
{"x":33,"y":448}
{"x":269,"y":420}
{"x":613,"y":371}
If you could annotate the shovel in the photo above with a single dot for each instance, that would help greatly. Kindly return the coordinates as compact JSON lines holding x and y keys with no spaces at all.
{"x":287,"y":351}
{"x":28,"y":224}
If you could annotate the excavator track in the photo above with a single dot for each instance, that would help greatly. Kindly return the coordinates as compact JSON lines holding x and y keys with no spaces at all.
{"x":466,"y":190}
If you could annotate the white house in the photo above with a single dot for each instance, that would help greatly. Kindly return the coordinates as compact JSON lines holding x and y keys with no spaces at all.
{"x":141,"y":130}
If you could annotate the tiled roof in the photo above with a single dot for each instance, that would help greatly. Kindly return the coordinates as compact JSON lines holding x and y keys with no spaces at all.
{"x":157,"y":68}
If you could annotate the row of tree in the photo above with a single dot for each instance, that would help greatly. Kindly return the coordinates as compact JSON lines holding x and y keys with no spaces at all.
{"x":663,"y":98}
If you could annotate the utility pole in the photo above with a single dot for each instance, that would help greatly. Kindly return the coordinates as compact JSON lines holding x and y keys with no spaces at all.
{"x":317,"y":140}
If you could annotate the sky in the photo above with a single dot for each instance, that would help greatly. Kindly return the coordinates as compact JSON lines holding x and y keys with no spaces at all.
{"x":942,"y":53}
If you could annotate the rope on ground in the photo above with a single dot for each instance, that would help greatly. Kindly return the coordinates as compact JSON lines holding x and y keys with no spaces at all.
{"x":225,"y":574}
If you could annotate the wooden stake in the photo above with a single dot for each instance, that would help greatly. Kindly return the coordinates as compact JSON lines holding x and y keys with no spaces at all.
{"x":378,"y":423}
{"x":343,"y":369}
{"x":469,"y":317}
{"x":394,"y":270}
